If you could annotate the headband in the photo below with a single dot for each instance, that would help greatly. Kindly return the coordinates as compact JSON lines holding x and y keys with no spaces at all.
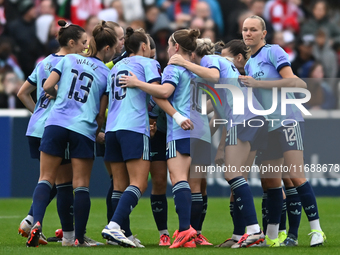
{"x":173,"y":38}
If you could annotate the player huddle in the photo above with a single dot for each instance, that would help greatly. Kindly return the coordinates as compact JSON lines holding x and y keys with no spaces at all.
{"x":155,"y":124}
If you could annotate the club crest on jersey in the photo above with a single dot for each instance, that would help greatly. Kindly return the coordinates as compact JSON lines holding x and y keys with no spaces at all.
{"x":48,"y":67}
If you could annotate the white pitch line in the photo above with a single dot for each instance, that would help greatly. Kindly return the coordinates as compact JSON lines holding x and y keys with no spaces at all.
{"x":10,"y":217}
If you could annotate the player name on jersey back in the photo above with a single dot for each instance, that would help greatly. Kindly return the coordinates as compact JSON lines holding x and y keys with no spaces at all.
{"x":87,"y":62}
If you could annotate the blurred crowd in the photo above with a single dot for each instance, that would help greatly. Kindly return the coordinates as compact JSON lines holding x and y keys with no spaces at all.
{"x":309,"y":31}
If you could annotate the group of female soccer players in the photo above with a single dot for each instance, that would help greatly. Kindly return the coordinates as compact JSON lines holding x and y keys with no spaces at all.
{"x":74,"y":91}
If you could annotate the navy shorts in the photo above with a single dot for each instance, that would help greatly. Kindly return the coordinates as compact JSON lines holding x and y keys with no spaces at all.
{"x":34,"y":144}
{"x":123,"y":145}
{"x":198,"y":150}
{"x":283,"y":139}
{"x":256,"y":134}
{"x":158,"y":147}
{"x":56,"y":139}
{"x":100,"y":149}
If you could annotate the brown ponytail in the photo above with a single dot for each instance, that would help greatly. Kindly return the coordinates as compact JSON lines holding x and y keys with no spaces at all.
{"x":102,"y":35}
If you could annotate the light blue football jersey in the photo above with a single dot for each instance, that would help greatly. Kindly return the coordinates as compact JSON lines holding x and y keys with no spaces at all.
{"x":229,"y":75}
{"x":81,"y":86}
{"x":43,"y":106}
{"x":266,"y":64}
{"x":182,"y":100}
{"x":128,"y":107}
{"x":155,"y":112}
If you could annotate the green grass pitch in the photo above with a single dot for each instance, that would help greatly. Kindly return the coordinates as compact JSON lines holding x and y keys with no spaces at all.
{"x":217,"y":227}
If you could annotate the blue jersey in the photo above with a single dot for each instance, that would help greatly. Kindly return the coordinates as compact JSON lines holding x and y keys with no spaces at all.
{"x":43,"y":106}
{"x":266,"y":64}
{"x":128,"y":107}
{"x":183,"y":101}
{"x":229,"y":75}
{"x":81,"y":86}
{"x":155,"y":112}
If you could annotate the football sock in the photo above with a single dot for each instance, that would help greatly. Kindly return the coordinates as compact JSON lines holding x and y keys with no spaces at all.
{"x":196,"y":209}
{"x":253,"y":229}
{"x":29,"y":218}
{"x":159,"y":206}
{"x":264,"y":212}
{"x":315,"y":225}
{"x":293,"y":210}
{"x":116,"y":195}
{"x":65,"y":205}
{"x":182,"y":197}
{"x":272,"y":230}
{"x":204,"y":212}
{"x":243,"y":199}
{"x":274,"y":207}
{"x":308,"y":202}
{"x":30,"y":213}
{"x":41,"y":198}
{"x":68,"y":235}
{"x":109,"y":211}
{"x":283,"y":220}
{"x":238,"y":222}
{"x":163,"y":232}
{"x":231,"y":209}
{"x":81,"y":210}
{"x":53,"y":193}
{"x":128,"y":201}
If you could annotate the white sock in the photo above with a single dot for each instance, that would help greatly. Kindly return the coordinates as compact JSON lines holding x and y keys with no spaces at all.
{"x":252,"y":229}
{"x":199,"y":232}
{"x":284,"y":231}
{"x":236,"y":237}
{"x":29,"y":218}
{"x":163,"y":232}
{"x":315,"y":224}
{"x":272,"y":231}
{"x":113,"y":225}
{"x":130,"y":237}
{"x":68,"y":235}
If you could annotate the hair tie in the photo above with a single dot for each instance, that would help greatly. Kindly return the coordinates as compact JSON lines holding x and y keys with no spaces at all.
{"x":66,"y":25}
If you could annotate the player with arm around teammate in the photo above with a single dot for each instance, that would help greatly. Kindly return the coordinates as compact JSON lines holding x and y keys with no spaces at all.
{"x":176,"y":87}
{"x":74,"y":120}
{"x":243,"y":140}
{"x":269,"y":68}
{"x":72,"y":39}
{"x":130,"y":165}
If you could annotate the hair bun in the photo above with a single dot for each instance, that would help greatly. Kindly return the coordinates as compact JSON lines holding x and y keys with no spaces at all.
{"x":207,"y":41}
{"x":129,"y":31}
{"x":62,"y":23}
{"x":194,"y":33}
